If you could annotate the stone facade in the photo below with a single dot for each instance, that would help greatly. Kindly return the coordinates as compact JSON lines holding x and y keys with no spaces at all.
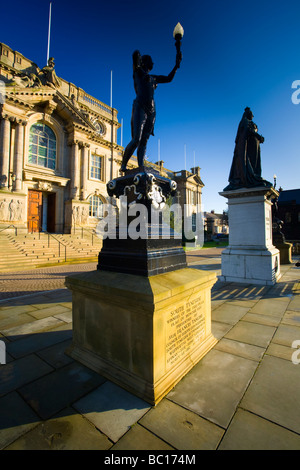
{"x":58,"y":150}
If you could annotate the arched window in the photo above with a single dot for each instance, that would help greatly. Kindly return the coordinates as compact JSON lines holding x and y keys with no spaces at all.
{"x":42,"y":146}
{"x":96,"y":207}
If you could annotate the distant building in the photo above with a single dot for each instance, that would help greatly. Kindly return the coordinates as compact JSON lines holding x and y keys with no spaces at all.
{"x":289,"y":213}
{"x":58,"y":150}
{"x":215,"y":225}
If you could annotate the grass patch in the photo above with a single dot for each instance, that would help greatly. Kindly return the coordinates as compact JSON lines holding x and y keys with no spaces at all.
{"x":210,"y":244}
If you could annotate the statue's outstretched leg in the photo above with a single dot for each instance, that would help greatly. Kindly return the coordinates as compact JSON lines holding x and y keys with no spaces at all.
{"x":147,"y":131}
{"x":138,"y":120}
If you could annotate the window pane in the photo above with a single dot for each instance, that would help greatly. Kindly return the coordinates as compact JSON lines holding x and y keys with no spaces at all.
{"x":51,"y":164}
{"x":96,"y":207}
{"x":42,"y":161}
{"x":32,"y":159}
{"x":42,"y":142}
{"x":42,"y":151}
{"x":96,"y":167}
{"x":51,"y":154}
{"x":32,"y":148}
{"x":33,"y":138}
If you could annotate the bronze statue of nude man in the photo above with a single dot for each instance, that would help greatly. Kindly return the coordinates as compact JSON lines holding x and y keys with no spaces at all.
{"x":143,"y":109}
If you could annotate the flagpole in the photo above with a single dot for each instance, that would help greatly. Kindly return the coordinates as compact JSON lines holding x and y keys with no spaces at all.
{"x":122,"y":132}
{"x":49,"y":29}
{"x":111,"y":88}
{"x":112,"y":130}
{"x":185,"y":157}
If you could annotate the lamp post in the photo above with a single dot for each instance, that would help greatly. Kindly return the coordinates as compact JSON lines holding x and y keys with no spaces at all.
{"x":178,"y":35}
{"x":275,"y":177}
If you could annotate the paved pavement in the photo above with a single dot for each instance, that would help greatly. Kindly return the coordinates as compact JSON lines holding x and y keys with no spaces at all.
{"x":244,"y":394}
{"x":25,"y":282}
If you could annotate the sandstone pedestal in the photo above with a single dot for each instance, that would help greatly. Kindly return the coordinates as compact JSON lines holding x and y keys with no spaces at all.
{"x":143,"y":333}
{"x":285,"y":251}
{"x":285,"y":248}
{"x":251,"y":256}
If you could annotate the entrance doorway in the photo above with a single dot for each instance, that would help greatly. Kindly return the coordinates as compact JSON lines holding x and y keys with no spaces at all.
{"x":35,"y":209}
{"x":41,"y":211}
{"x":51,"y":213}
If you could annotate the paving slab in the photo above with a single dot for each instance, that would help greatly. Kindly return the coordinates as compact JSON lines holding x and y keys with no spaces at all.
{"x":112,"y":409}
{"x":295,"y":304}
{"x":229,"y":313}
{"x":286,"y":334}
{"x":271,"y":306}
{"x":16,"y":419}
{"x":274,"y":393}
{"x":15,"y":321}
{"x":291,"y":317}
{"x":262,"y":319}
{"x":50,"y":310}
{"x":242,"y":302}
{"x":181,"y":428}
{"x":50,"y":394}
{"x":56,"y":355}
{"x":21,"y":371}
{"x":278,"y":350}
{"x":252,"y":333}
{"x":214,"y":387}
{"x":65,"y":316}
{"x":38,"y":341}
{"x":12,"y":310}
{"x":139,"y":438}
{"x":250,"y":432}
{"x":248,"y":351}
{"x":36,"y":326}
{"x":67,"y":431}
{"x":220,"y":329}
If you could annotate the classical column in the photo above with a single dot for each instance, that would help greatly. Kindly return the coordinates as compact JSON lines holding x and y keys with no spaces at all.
{"x":18,"y":156}
{"x":84,"y":169}
{"x":75,"y":175}
{"x":4,"y":151}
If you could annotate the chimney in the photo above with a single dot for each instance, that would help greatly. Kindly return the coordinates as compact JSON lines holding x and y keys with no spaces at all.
{"x":160,"y":163}
{"x":196,"y":170}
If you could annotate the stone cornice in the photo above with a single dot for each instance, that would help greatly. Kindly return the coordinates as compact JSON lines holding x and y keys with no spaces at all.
{"x":267,"y":192}
{"x":37,"y":175}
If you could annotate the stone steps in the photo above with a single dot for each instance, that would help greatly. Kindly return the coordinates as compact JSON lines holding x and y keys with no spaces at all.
{"x":27,"y":251}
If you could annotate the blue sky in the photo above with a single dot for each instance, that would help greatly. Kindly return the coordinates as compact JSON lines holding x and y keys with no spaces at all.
{"x":235,"y":54}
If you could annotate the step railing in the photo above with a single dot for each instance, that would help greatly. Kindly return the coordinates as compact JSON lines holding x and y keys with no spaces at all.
{"x":89,"y":231}
{"x":9,"y":226}
{"x":58,"y":241}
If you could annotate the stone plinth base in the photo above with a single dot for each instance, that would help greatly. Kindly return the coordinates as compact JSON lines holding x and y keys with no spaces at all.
{"x":250,"y":266}
{"x":251,"y":256}
{"x":143,"y":333}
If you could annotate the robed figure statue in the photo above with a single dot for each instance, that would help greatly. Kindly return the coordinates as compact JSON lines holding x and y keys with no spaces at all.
{"x":246,"y":164}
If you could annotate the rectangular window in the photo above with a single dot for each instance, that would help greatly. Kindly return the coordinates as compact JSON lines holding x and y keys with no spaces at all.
{"x":96,"y":207}
{"x":96,"y":167}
